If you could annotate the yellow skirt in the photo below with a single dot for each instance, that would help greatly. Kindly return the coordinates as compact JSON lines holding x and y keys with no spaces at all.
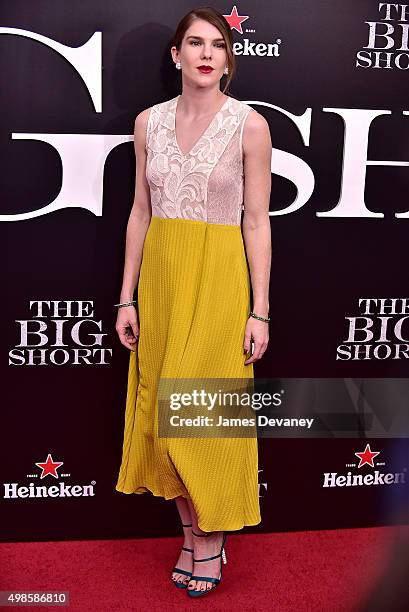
{"x":193,"y":305}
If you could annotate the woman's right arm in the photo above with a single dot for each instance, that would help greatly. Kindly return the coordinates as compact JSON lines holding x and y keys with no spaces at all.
{"x":138,"y":224}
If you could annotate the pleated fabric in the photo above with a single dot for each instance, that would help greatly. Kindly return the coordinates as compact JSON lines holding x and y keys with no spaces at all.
{"x":193,"y":305}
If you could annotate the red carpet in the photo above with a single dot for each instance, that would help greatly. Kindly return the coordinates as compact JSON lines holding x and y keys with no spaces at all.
{"x":314,"y":571}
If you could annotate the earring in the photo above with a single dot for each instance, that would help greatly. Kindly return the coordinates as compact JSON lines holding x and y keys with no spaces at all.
{"x":178,"y":66}
{"x":226,"y":70}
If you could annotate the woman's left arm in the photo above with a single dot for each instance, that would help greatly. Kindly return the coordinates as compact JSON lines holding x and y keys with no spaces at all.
{"x":257,"y":151}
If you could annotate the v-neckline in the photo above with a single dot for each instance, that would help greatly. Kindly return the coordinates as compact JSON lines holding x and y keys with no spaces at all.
{"x":202,"y":134}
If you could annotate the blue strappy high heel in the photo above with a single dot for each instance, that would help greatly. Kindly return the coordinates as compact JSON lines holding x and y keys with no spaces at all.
{"x":178,"y":584}
{"x":216,"y":581}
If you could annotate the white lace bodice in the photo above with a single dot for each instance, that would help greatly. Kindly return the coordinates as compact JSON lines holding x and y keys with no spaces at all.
{"x":205,"y":184}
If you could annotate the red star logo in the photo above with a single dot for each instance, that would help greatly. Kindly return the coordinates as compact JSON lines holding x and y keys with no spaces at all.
{"x":49,"y":467}
{"x":235,"y":20}
{"x":367,"y":456}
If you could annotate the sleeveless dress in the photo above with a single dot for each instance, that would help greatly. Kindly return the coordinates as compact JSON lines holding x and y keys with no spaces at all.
{"x":193,"y":304}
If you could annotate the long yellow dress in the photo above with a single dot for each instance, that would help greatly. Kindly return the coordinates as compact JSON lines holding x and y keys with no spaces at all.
{"x":193,"y":304}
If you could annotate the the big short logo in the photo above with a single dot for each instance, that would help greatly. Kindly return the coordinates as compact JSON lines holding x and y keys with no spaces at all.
{"x":247,"y":46}
{"x":60,"y":333}
{"x":82,"y":156}
{"x":381,"y":331}
{"x":48,"y":469}
{"x":366,"y":478}
{"x":387,"y":39}
{"x":89,"y":152}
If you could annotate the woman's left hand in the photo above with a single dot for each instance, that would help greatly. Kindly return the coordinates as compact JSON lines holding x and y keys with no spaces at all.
{"x":258,"y":331}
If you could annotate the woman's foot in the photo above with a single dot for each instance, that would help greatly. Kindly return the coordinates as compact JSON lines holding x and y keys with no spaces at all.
{"x":206,"y":546}
{"x":185,"y":561}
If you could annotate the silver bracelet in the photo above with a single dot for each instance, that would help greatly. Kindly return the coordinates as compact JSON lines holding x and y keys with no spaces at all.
{"x":126,"y":304}
{"x":253,"y":314}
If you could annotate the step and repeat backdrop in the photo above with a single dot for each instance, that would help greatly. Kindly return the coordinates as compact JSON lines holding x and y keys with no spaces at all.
{"x":331,"y":80}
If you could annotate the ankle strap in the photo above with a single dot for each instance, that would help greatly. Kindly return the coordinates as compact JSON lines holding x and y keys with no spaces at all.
{"x":208,"y":558}
{"x":190,"y":524}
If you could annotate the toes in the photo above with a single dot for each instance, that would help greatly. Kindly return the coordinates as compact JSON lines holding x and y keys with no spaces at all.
{"x":177,"y":577}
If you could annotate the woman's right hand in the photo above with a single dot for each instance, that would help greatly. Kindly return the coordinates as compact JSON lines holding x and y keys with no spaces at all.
{"x":127,"y":326}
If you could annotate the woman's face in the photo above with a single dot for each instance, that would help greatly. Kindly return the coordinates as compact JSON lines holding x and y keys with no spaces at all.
{"x":203,"y":44}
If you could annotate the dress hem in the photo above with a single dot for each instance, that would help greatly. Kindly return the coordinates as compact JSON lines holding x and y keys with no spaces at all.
{"x":200,"y":525}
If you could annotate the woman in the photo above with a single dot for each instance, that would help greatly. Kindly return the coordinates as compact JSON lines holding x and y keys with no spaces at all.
{"x":198,"y":156}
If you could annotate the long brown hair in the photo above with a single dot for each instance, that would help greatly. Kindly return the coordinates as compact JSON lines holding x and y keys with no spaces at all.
{"x":215,"y":18}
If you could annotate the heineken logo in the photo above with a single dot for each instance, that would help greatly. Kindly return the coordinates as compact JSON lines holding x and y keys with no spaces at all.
{"x":48,"y":468}
{"x":359,"y":479}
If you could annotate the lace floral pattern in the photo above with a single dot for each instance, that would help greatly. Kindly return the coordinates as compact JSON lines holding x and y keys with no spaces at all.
{"x":206,"y":183}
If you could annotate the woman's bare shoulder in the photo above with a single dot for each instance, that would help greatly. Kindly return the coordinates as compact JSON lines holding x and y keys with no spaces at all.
{"x":142,"y":118}
{"x":255,"y":122}
{"x":256,"y":131}
{"x":141,"y":125}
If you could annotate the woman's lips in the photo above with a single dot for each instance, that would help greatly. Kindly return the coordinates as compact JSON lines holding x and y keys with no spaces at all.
{"x":205,"y":70}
